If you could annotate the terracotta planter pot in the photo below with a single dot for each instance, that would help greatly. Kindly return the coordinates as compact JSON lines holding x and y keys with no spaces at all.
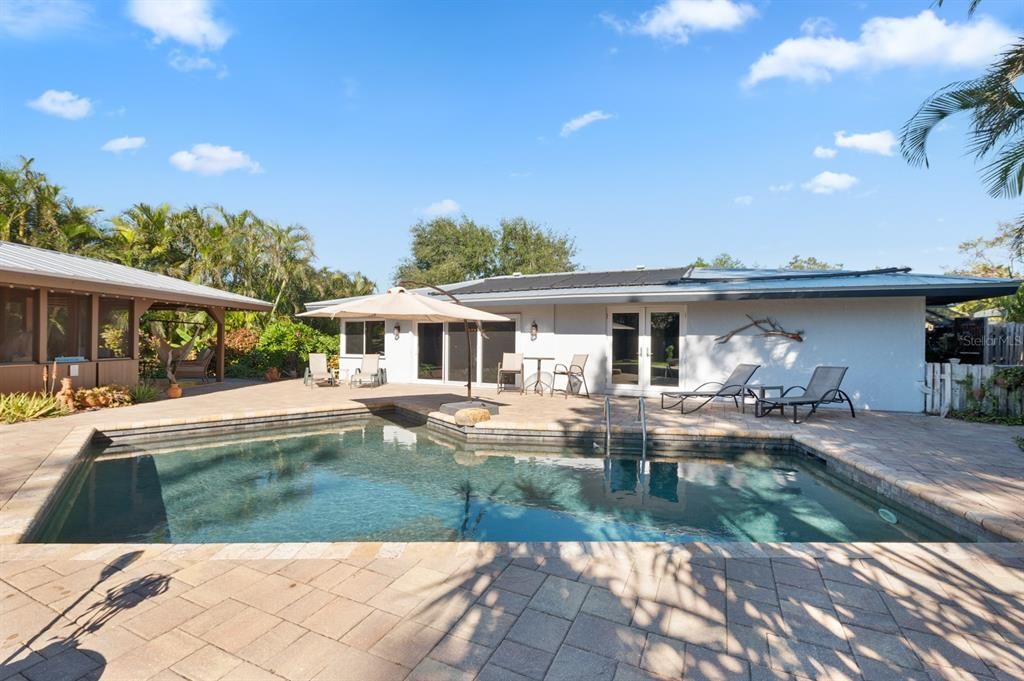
{"x":174,"y":390}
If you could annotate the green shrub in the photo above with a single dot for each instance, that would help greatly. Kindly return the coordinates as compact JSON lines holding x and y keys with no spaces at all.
{"x":17,"y":407}
{"x":144,"y":391}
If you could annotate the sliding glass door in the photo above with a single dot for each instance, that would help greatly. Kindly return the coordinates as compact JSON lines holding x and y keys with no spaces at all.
{"x":441,"y":350}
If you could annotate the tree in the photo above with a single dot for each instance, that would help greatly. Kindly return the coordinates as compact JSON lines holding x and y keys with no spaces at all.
{"x":722,"y":261}
{"x":811,"y":263}
{"x":994,"y":257}
{"x":997,"y":125}
{"x":235,"y":251}
{"x":525,"y":247}
{"x":446,"y":251}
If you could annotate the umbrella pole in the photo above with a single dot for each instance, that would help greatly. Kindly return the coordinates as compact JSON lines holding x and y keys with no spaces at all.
{"x":469,"y":361}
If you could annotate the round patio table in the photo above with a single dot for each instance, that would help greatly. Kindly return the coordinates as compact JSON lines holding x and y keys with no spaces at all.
{"x":538,"y":383}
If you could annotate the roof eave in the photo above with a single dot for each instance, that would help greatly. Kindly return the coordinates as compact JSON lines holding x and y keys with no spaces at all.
{"x":19,"y":278}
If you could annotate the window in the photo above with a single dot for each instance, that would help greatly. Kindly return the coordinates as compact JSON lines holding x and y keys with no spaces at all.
{"x":498,"y":338}
{"x":18,"y":327}
{"x":364,"y":338}
{"x":115,"y":328}
{"x":67,"y":325}
{"x":430,"y":342}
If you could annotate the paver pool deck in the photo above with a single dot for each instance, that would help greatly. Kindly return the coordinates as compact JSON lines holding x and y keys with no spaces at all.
{"x":595,"y":611}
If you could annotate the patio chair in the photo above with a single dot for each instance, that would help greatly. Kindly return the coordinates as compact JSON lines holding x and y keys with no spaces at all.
{"x":195,"y":368}
{"x":823,"y":388}
{"x":367,"y":372}
{"x":511,"y":365}
{"x":318,"y":371}
{"x":735,"y":386}
{"x":574,"y":377}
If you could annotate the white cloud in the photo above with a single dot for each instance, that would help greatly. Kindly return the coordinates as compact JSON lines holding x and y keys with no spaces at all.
{"x":787,"y":187}
{"x":675,"y":20}
{"x":36,"y":18}
{"x":210,"y":159}
{"x":442,"y":207}
{"x":119,"y":144}
{"x":583,"y":121}
{"x":829,"y":183}
{"x":881,"y":142}
{"x":884,"y":42}
{"x":824,"y":152}
{"x":744,"y":200}
{"x":187,"y":21}
{"x":817,"y":26}
{"x":180,"y":61}
{"x":62,"y":103}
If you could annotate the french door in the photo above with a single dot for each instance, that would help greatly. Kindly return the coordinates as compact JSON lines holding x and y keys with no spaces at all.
{"x":442,"y":356}
{"x":644,"y":344}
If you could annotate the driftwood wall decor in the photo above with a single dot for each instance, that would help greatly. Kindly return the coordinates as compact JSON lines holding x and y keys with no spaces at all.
{"x":767,"y":327}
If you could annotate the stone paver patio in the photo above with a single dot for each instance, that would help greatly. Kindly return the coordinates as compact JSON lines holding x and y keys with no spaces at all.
{"x":612,"y":611}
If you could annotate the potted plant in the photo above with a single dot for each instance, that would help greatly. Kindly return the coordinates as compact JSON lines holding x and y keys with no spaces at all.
{"x":170,"y":355}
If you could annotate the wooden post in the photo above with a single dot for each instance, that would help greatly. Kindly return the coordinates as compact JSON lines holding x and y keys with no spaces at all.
{"x":94,"y":327}
{"x":42,"y":327}
{"x":218,"y":316}
{"x":139,"y":307}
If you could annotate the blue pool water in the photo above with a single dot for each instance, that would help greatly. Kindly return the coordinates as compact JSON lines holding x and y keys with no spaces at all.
{"x":380,"y":479}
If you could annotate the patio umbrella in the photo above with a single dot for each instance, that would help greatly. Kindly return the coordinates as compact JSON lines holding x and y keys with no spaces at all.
{"x":401,"y":305}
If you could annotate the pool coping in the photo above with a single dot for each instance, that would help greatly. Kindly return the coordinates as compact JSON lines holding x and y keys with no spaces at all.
{"x":28,"y":506}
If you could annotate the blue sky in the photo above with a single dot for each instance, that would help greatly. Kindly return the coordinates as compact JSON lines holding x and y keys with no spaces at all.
{"x":652,"y":133}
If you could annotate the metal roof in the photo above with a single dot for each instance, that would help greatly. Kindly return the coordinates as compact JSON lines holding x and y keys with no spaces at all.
{"x":31,"y":266}
{"x":685,"y":284}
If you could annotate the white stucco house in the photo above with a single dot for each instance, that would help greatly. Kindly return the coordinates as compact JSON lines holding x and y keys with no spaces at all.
{"x":651,"y":330}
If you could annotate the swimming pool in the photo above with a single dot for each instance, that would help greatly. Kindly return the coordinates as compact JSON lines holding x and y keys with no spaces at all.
{"x":382,"y":479}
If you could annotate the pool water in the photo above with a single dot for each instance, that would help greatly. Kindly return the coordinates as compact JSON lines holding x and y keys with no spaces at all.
{"x":380,"y":479}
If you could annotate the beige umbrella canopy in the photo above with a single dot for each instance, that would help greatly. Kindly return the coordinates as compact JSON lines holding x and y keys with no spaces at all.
{"x":401,"y":305}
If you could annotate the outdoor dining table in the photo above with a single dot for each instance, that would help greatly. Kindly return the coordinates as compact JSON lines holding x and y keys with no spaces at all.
{"x":538,"y":383}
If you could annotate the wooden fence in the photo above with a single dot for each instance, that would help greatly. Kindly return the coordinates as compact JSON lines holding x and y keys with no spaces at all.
{"x":955,"y":387}
{"x":1005,"y":343}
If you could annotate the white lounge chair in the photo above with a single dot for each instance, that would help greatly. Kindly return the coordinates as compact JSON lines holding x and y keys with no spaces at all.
{"x":318,"y":370}
{"x":368,"y":371}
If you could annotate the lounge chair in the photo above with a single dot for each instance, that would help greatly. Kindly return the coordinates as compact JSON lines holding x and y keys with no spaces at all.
{"x":735,"y":386}
{"x":368,"y":371}
{"x":195,"y":368}
{"x":573,"y":376}
{"x":318,"y":371}
{"x":823,"y":388}
{"x":511,"y":365}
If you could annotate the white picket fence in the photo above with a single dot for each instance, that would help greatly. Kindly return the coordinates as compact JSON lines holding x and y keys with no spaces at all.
{"x":949,"y":387}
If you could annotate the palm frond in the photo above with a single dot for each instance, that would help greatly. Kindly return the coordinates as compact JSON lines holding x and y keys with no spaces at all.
{"x":1005,"y":174}
{"x":951,"y":99}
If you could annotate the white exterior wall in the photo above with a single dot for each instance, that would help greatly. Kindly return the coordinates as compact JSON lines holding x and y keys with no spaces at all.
{"x":880,"y":339}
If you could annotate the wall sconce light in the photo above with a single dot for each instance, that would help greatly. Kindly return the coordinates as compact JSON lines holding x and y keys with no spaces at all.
{"x":533,"y":331}
{"x":398,"y":330}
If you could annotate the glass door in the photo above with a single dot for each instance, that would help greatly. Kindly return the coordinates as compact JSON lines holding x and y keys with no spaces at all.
{"x":644,"y":348}
{"x":625,"y":353}
{"x":662,"y":366}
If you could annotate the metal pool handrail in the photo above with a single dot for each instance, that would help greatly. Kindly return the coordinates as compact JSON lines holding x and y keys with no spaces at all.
{"x":607,"y":425}
{"x":641,"y":416}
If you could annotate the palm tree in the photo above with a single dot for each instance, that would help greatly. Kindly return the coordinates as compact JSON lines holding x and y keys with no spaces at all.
{"x":997,"y":125}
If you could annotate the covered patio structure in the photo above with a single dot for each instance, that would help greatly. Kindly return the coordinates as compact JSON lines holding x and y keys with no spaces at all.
{"x":84,"y":314}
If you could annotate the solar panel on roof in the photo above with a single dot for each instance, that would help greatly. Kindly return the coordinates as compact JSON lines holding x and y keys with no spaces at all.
{"x":578,"y":280}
